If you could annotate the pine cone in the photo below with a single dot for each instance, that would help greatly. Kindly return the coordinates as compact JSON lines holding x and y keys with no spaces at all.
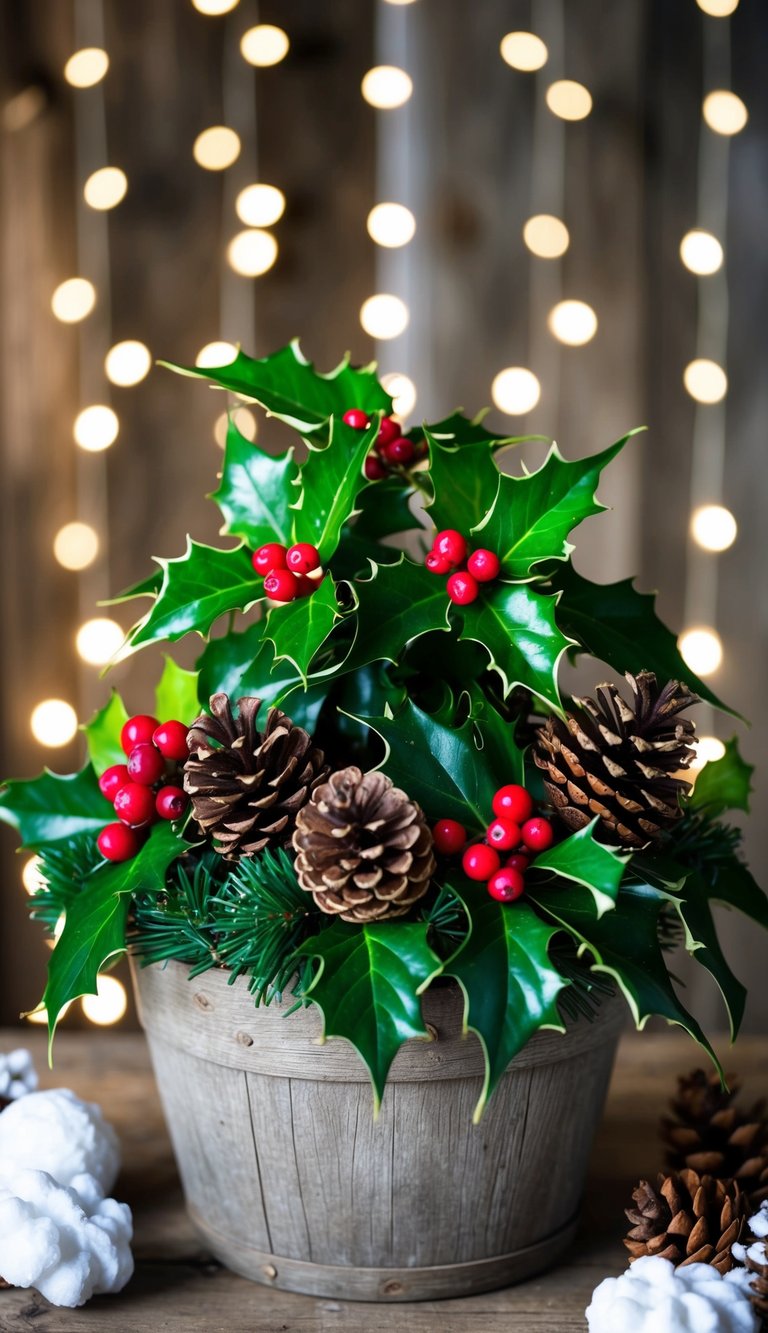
{"x":620,"y":761}
{"x":687,"y":1218}
{"x":708,"y":1133}
{"x":363,"y":847}
{"x":756,"y":1260}
{"x":248,"y":786}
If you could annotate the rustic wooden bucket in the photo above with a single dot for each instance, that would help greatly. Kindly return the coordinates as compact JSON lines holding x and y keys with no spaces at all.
{"x":291,"y":1182}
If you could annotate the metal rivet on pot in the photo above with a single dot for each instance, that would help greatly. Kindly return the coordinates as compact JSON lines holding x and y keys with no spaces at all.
{"x":269,"y":1271}
{"x":244,"y":1038}
{"x":392,"y":1288}
{"x":202,"y":1001}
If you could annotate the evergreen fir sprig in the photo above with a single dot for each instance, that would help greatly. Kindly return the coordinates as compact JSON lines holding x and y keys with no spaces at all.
{"x":447,"y":920}
{"x":63,"y":869}
{"x":177,"y":923}
{"x":587,"y":989}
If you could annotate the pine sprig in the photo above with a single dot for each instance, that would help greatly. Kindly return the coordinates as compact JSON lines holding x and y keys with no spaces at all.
{"x":587,"y":990}
{"x":63,"y":868}
{"x":447,"y":920}
{"x":177,"y":923}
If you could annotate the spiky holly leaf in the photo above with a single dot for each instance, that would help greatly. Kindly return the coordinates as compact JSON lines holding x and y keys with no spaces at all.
{"x":456,"y":431}
{"x":695,"y":912}
{"x":300,"y":628}
{"x":517,"y":627}
{"x":368,"y":986}
{"x":329,"y":483}
{"x":255,"y":493}
{"x":94,"y":928}
{"x":55,"y":807}
{"x":531,"y":516}
{"x":102,"y":734}
{"x":395,"y":605}
{"x":290,"y":388}
{"x":197,"y":588}
{"x":724,"y":784}
{"x":583,"y":861}
{"x":244,"y":664}
{"x":618,"y":624}
{"x":464,"y":481}
{"x":510,"y":984}
{"x":148,"y":587}
{"x":383,"y":508}
{"x":176,"y":693}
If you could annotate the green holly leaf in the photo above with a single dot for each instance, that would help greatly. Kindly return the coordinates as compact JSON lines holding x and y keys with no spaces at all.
{"x":197,"y":588}
{"x":383,"y":509}
{"x":465,"y":483}
{"x":329,"y":483}
{"x":300,"y":628}
{"x":456,"y":431}
{"x":176,"y":693}
{"x":148,"y":587}
{"x":517,"y":626}
{"x":531,"y":516}
{"x":290,"y":388}
{"x":509,"y":982}
{"x":395,"y":605}
{"x":732,"y":884}
{"x":582,"y":860}
{"x":619,"y":625}
{"x":242,"y":664}
{"x":723,"y":784}
{"x":102,"y":734}
{"x":256,"y":492}
{"x":701,"y":942}
{"x":94,"y":928}
{"x":368,"y":988}
{"x":54,"y":807}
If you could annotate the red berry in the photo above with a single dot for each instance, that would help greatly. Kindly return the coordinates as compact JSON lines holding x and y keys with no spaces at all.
{"x":513,"y":802}
{"x":135,"y":804}
{"x":356,"y":418}
{"x":373,"y":468}
{"x":281,"y":585}
{"x":503,"y":834}
{"x":171,"y":740}
{"x":506,"y":885}
{"x":451,"y":543}
{"x":171,"y":802}
{"x":112,"y":779}
{"x":537,"y":834}
{"x":117,"y":843}
{"x":399,"y":452}
{"x":518,"y":862}
{"x":462,"y":588}
{"x":480,"y":862}
{"x":484,"y":565}
{"x":389,"y":430}
{"x":302,"y":558}
{"x":145,"y":764}
{"x":268,"y":557}
{"x":306,"y":586}
{"x":449,"y":836}
{"x":137,"y":731}
{"x":437,"y":564}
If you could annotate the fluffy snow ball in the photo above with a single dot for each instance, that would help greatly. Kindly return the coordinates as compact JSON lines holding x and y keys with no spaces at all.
{"x":57,"y":1132}
{"x":17,"y":1075}
{"x":654,"y":1297}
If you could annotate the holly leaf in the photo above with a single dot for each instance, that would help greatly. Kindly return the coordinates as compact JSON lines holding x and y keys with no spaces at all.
{"x":395,"y":605}
{"x":243,"y":663}
{"x":329,"y":483}
{"x":368,"y":985}
{"x":384,"y":509}
{"x":531,"y":516}
{"x":94,"y":928}
{"x":465,"y":483}
{"x":197,"y":588}
{"x":102,"y":734}
{"x":54,"y":807}
{"x":148,"y":587}
{"x":702,"y":943}
{"x":516,"y":625}
{"x":255,"y":492}
{"x":509,"y":982}
{"x":298,"y":629}
{"x":582,"y":860}
{"x":619,"y":625}
{"x":723,"y":784}
{"x":456,"y":431}
{"x":176,"y":693}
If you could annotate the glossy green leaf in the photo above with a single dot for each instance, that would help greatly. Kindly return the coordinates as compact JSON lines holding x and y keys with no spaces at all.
{"x":176,"y":693}
{"x":256,"y":492}
{"x":241,"y":664}
{"x":724,"y":784}
{"x":733,"y":884}
{"x":694,"y":909}
{"x":329,"y":483}
{"x":102,"y":734}
{"x":299,"y":628}
{"x":457,"y":430}
{"x":197,"y":588}
{"x":384,"y":509}
{"x":148,"y":587}
{"x":54,"y":807}
{"x":582,"y":860}
{"x":396,"y":604}
{"x":368,"y":985}
{"x":465,"y":483}
{"x":516,"y":624}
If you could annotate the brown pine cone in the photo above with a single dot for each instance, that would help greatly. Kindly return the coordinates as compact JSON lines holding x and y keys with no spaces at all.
{"x":709,"y":1134}
{"x":756,"y":1260}
{"x":687,"y":1218}
{"x":364,"y":849}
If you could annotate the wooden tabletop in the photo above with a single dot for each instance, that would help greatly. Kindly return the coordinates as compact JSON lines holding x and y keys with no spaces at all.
{"x":177,"y":1287}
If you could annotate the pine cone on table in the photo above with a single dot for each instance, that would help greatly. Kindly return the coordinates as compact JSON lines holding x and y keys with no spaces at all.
{"x":246,"y":785}
{"x":364,"y":850}
{"x":708,"y":1133}
{"x":620,"y":760}
{"x":688,"y":1219}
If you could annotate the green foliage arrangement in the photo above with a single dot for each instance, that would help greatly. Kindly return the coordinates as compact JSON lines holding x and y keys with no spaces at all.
{"x":446,"y":695}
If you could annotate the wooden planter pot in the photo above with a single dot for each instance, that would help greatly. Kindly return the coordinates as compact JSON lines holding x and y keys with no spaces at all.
{"x":291,"y":1182}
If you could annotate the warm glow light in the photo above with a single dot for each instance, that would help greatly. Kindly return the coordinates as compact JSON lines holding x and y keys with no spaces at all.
{"x":96,"y":428}
{"x":400,"y":2}
{"x":260,"y":205}
{"x":705,"y":381}
{"x":724,"y":112}
{"x":707,"y":748}
{"x":391,"y":225}
{"x":546,"y":236}
{"x":569,"y":100}
{"x":108,"y":1005}
{"x":718,"y":9}
{"x":105,"y":188}
{"x":264,"y":45}
{"x":39,"y":1016}
{"x":702,"y":650}
{"x":214,"y":7}
{"x":243,"y":419}
{"x":128,"y":362}
{"x":76,"y":545}
{"x":701,"y":252}
{"x":572,"y":322}
{"x":73,"y":300}
{"x":386,"y":86}
{"x":403,"y":391}
{"x":215,"y":354}
{"x":53,"y":722}
{"x":713,"y":527}
{"x":216,"y":148}
{"x":523,"y":50}
{"x":384,"y":316}
{"x":515,"y":390}
{"x":31,"y":877}
{"x":98,"y":640}
{"x":252,"y":252}
{"x":86,"y":67}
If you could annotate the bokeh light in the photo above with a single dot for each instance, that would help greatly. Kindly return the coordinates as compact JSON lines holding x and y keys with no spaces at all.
{"x":707,"y":749}
{"x":384,"y":316}
{"x":86,"y":67}
{"x":701,"y":649}
{"x":73,"y":300}
{"x":572,"y":322}
{"x":98,"y":640}
{"x":53,"y":722}
{"x":386,"y":87}
{"x":391,"y":225}
{"x":718,"y":9}
{"x":403,"y":391}
{"x":260,"y":205}
{"x":713,"y":527}
{"x":31,"y":877}
{"x":215,"y":354}
{"x":724,"y":112}
{"x":108,"y":1005}
{"x":523,"y":50}
{"x":569,"y":100}
{"x":264,"y":45}
{"x":252,"y":252}
{"x":546,"y":236}
{"x":105,"y":188}
{"x":128,"y":363}
{"x":515,"y":390}
{"x":244,"y":420}
{"x":705,"y":381}
{"x":96,"y":428}
{"x":216,"y":148}
{"x":212,"y":8}
{"x":701,"y":252}
{"x":76,"y":545}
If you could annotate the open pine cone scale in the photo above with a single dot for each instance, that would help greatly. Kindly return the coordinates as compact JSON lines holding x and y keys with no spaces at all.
{"x":687,"y":1219}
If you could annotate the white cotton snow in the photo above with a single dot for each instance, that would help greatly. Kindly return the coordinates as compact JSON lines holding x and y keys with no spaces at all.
{"x":17,"y":1075}
{"x":57,"y":1132}
{"x":654,"y":1297}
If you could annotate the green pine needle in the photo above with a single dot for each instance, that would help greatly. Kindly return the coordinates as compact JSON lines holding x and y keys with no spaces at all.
{"x":587,"y":990}
{"x":63,"y":867}
{"x":177,"y":923}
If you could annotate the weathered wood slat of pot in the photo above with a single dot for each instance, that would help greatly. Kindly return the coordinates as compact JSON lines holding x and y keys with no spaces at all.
{"x":291,"y":1181}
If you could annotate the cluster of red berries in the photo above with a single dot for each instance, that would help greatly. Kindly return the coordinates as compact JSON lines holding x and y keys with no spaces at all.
{"x":143,"y":790}
{"x":286,"y":569}
{"x":449,"y":550}
{"x":391,"y":448}
{"x":515,"y":829}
